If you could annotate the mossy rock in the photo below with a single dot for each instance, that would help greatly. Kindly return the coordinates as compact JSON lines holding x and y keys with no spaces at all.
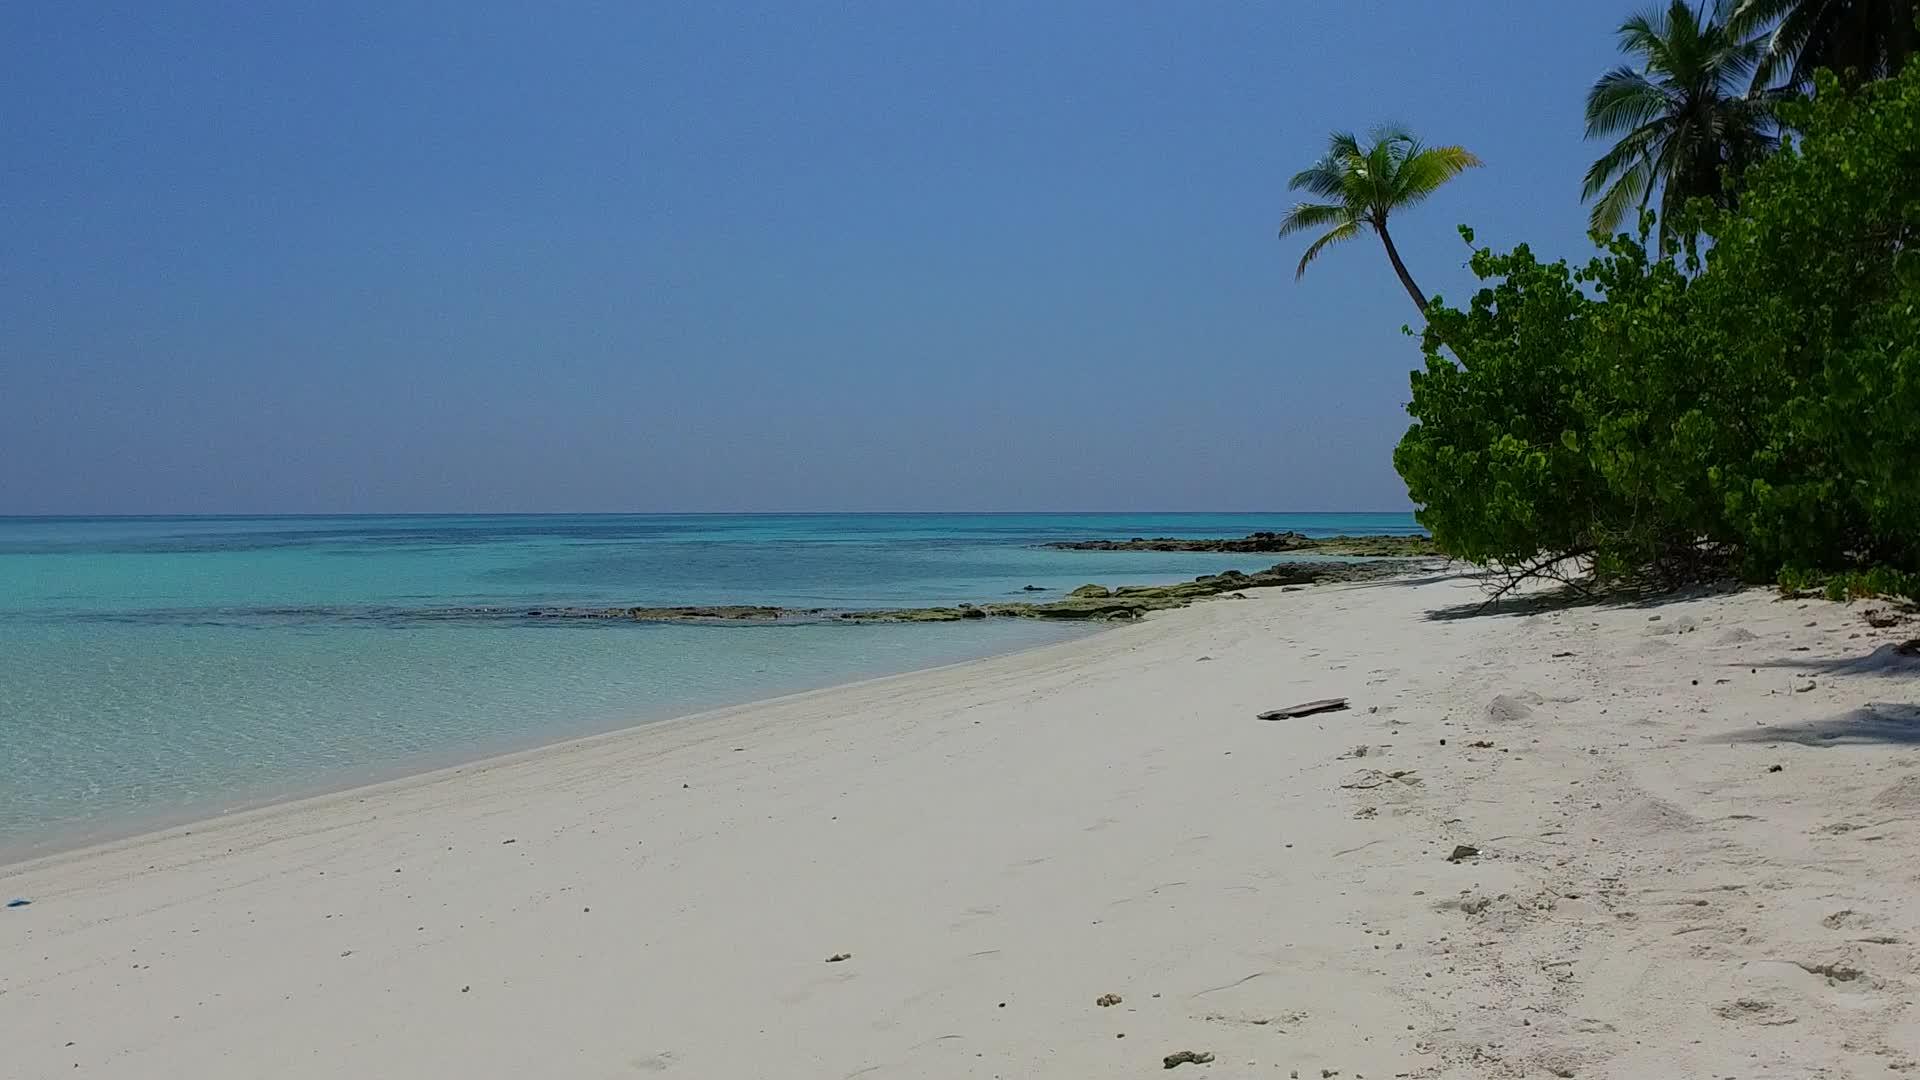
{"x":1090,"y":592}
{"x":916,"y":615}
{"x":720,"y":613}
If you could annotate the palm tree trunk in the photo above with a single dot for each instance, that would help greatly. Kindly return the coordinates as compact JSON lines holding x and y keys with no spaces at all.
{"x":1406,"y":279}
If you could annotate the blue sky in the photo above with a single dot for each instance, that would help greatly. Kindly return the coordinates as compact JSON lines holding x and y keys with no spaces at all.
{"x":347,"y":257}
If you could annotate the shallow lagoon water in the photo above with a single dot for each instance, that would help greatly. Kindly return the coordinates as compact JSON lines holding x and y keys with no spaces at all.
{"x":154,"y":668}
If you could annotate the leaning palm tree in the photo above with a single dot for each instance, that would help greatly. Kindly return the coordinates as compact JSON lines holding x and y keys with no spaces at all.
{"x":1860,"y":40}
{"x":1364,"y":184}
{"x":1682,"y":117}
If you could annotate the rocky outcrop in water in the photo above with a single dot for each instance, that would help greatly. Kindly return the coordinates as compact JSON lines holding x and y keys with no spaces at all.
{"x":721,"y":613}
{"x":1086,"y":603}
{"x":1268,"y":543}
{"x":1098,"y":603}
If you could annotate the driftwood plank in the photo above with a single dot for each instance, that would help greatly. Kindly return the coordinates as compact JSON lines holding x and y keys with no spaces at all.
{"x":1306,"y":708}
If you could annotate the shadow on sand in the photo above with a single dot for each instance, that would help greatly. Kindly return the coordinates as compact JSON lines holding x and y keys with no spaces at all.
{"x":1890,"y":661}
{"x":1479,"y":601}
{"x":1880,"y":724}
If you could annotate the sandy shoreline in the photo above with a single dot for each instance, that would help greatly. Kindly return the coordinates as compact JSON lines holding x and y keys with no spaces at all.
{"x":89,"y":838}
{"x":999,"y":843}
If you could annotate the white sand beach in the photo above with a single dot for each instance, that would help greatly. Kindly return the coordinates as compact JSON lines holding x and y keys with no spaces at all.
{"x":1698,"y":834}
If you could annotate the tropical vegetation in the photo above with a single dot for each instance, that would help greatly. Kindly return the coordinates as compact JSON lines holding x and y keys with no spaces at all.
{"x":1734,"y":387}
{"x":1858,"y":40}
{"x":1752,"y":405}
{"x":1687,"y":123}
{"x":1363,"y":184}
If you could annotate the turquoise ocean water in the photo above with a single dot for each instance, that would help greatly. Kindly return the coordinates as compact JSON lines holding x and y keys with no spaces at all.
{"x":153,"y":669}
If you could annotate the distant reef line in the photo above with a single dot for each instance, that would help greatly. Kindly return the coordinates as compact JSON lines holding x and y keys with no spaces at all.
{"x":1268,"y":543}
{"x":1088,"y":603}
{"x":1350,"y":558}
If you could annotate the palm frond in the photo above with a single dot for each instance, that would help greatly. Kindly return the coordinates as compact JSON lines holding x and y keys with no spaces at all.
{"x":1343,"y":145}
{"x":1643,"y":144}
{"x":1313,"y":216}
{"x":1762,"y":21}
{"x":1333,"y":236}
{"x":1734,"y":61}
{"x":1754,"y":16}
{"x":1326,"y":178}
{"x":1623,"y":99}
{"x":1631,"y":187}
{"x":1427,"y":168}
{"x":1646,"y":33}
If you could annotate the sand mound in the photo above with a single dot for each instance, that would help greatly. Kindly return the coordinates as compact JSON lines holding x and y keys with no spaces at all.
{"x":1651,"y":815}
{"x":1902,"y":795}
{"x":1510,"y":708}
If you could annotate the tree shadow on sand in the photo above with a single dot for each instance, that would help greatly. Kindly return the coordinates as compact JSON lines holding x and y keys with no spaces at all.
{"x":1880,"y":723}
{"x":1481,"y":601}
{"x":1888,"y":661}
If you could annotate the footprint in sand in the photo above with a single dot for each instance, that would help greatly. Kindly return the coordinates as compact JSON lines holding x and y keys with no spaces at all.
{"x":1848,"y":919}
{"x":1838,"y":973}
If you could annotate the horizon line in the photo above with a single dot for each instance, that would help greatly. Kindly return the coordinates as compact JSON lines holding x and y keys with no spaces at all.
{"x":675,"y":513}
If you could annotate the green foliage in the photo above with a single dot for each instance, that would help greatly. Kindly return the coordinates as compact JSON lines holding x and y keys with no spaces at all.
{"x":1860,"y":39}
{"x":1851,"y":584}
{"x":1753,"y":405}
{"x":1684,"y":120}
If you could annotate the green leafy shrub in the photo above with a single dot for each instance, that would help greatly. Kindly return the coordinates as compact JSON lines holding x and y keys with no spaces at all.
{"x":1754,"y":405}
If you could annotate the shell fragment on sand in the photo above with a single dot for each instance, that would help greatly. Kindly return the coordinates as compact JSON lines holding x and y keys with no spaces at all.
{"x":1306,"y":708}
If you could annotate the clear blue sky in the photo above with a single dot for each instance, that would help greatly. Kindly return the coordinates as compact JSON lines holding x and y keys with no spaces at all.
{"x":341,"y":257}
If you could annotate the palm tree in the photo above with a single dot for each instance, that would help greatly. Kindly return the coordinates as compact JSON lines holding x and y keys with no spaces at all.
{"x":1860,"y":40}
{"x":1682,"y":117}
{"x":1364,"y":184}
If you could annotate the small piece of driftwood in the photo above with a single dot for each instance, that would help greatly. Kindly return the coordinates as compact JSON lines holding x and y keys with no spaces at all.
{"x":1306,"y":708}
